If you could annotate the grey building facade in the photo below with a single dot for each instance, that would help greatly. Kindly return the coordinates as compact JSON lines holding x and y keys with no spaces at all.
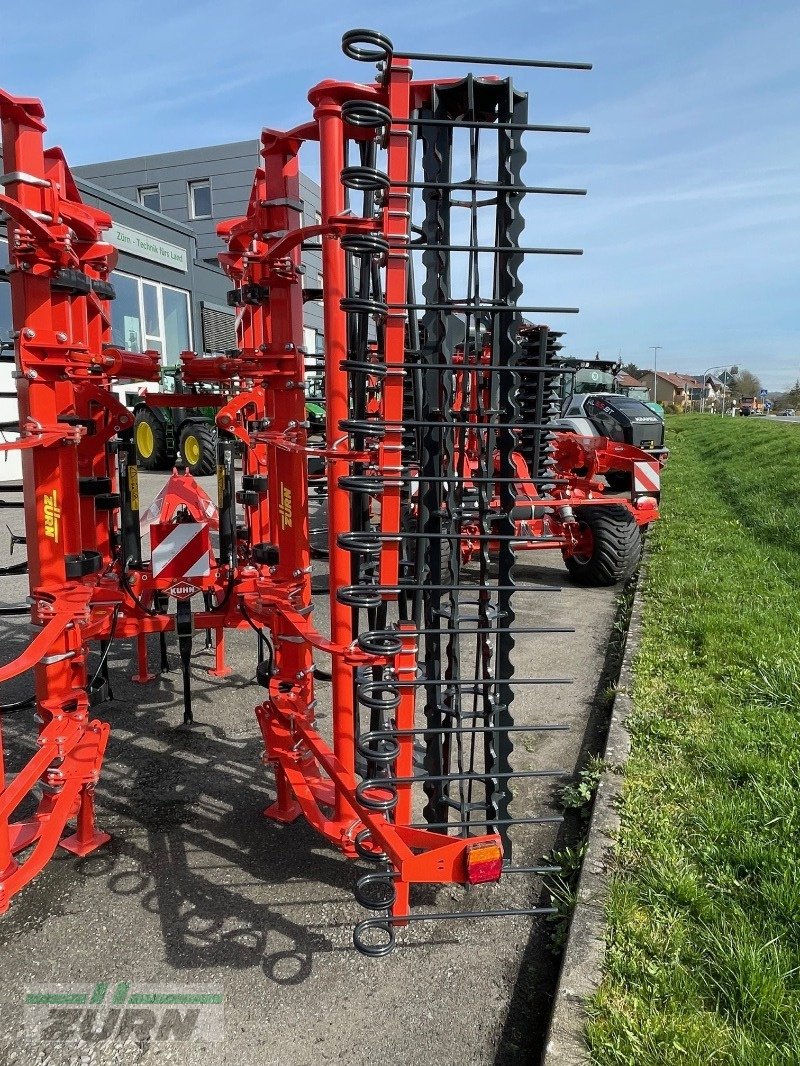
{"x":165,"y":297}
{"x":200,"y":187}
{"x":171,"y":294}
{"x":161,"y":286}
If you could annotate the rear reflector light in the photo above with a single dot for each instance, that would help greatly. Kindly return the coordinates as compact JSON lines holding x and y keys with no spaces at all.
{"x":484,"y":862}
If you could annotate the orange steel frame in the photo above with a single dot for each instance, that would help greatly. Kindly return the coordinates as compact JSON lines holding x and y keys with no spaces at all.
{"x":84,"y":585}
{"x":578,"y":468}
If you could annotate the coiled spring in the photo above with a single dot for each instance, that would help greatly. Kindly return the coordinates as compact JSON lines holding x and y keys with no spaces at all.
{"x":367,"y":46}
{"x":381,"y":696}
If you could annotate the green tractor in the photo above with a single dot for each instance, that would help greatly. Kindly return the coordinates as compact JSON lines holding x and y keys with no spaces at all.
{"x":179,"y":420}
{"x":315,"y":406}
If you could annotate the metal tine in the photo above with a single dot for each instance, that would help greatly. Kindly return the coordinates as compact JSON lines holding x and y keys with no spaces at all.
{"x":394,"y":478}
{"x":418,"y":246}
{"x":485,"y":308}
{"x":479,"y":716}
{"x":390,"y":590}
{"x":498,"y":629}
{"x":481,"y":683}
{"x":380,"y":782}
{"x":478,"y":124}
{"x":386,"y":922}
{"x":488,"y":186}
{"x":532,"y":869}
{"x":379,"y":734}
{"x":454,"y":367}
{"x":499,"y":61}
{"x":391,"y":537}
{"x":549,"y":819}
{"x":368,"y":426}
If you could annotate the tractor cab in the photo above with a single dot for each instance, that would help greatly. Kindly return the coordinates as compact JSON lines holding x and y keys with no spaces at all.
{"x":592,"y":406}
{"x":315,"y":403}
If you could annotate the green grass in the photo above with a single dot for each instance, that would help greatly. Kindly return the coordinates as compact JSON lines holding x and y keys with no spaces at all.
{"x":703,"y":960}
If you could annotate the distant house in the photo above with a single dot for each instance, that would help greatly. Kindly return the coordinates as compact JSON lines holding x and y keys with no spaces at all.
{"x":625,"y":381}
{"x":715,"y":392}
{"x":675,"y":389}
{"x":686,"y":391}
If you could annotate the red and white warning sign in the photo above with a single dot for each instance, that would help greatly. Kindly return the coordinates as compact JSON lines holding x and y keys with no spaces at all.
{"x":647,"y":477}
{"x":180,"y":552}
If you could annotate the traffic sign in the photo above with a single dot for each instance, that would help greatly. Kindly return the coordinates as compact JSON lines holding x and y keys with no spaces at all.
{"x":764,"y":392}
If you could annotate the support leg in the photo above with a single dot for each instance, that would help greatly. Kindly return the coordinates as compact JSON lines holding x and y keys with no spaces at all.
{"x":220,"y":667}
{"x":285,"y":808}
{"x":88,"y":837}
{"x":143,"y":673}
{"x":162,"y":651}
{"x":183,"y":627}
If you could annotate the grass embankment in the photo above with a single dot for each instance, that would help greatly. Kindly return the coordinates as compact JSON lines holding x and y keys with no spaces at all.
{"x":703,"y":964}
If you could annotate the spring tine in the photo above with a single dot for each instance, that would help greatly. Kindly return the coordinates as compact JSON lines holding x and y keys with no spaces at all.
{"x":456,"y":463}
{"x":499,"y":629}
{"x":517,"y":127}
{"x":532,"y":870}
{"x":549,"y":819}
{"x":386,"y":924}
{"x":396,"y":590}
{"x":370,"y":368}
{"x":488,"y":186}
{"x":494,"y":61}
{"x":388,"y":538}
{"x":467,"y":775}
{"x":418,"y":246}
{"x":352,"y":426}
{"x":414,"y":478}
{"x":463,"y":307}
{"x":387,"y":733}
{"x":481,"y":682}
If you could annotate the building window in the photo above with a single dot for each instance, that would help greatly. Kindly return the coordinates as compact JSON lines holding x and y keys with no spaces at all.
{"x":200,"y":198}
{"x":175,"y":306}
{"x":146,"y":315}
{"x":150,"y":197}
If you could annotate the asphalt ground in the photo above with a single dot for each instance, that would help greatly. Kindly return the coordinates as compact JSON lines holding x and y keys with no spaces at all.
{"x":198,"y":891}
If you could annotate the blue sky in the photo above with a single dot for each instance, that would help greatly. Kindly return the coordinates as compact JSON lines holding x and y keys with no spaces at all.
{"x":691,"y":228}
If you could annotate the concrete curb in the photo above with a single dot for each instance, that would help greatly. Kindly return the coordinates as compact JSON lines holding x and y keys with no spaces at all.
{"x":582,"y":964}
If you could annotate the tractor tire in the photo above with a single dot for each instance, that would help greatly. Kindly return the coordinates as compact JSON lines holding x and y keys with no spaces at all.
{"x":150,"y":437}
{"x":616,"y":547}
{"x":198,"y":445}
{"x":619,"y":480}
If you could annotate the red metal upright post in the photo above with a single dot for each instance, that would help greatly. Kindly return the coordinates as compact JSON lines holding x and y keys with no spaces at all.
{"x":328,"y":113}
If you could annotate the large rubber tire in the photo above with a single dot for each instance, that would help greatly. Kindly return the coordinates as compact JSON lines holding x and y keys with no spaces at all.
{"x":616,"y":547}
{"x":150,"y":437}
{"x":199,"y":448}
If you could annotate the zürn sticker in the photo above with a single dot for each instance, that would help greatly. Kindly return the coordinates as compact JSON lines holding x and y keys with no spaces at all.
{"x":52,"y":516}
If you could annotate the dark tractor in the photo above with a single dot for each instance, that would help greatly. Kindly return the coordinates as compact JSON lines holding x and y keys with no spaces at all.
{"x":592,"y":406}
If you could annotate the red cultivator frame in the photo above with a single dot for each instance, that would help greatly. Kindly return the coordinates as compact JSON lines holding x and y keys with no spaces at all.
{"x":437,"y":472}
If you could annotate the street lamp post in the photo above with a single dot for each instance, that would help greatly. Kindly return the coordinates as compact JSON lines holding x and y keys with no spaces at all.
{"x":656,"y":349}
{"x":724,"y":366}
